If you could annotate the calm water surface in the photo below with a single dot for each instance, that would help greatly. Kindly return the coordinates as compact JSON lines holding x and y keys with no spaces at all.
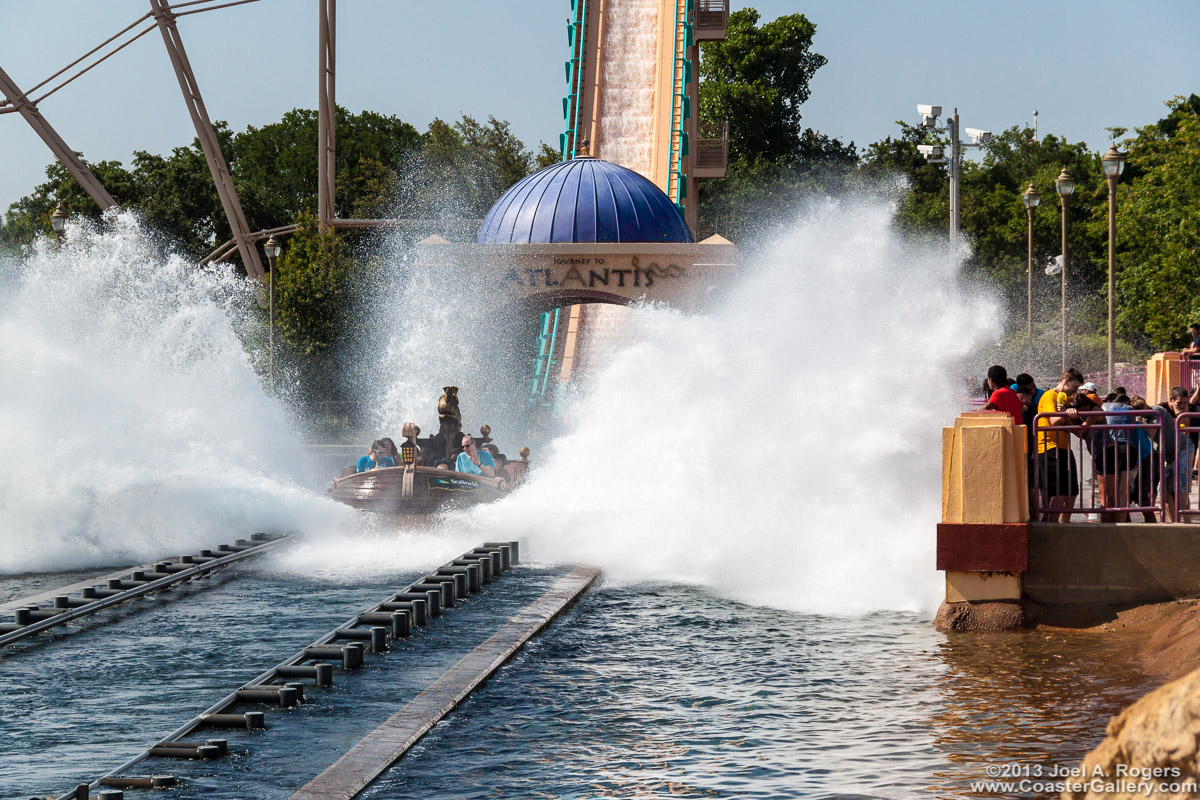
{"x":640,"y":691}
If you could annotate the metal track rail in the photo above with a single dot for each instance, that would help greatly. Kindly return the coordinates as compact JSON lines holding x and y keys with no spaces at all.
{"x":362,"y":633}
{"x":34,"y":619}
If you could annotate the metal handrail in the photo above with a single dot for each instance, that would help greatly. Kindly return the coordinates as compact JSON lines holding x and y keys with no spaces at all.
{"x":1087,"y":433}
{"x":712,"y":14}
{"x":1185,"y":427}
{"x":713,"y":151}
{"x":680,"y":66}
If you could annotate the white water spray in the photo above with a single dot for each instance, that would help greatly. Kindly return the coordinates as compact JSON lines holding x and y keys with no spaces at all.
{"x":131,"y":422}
{"x":784,"y":449}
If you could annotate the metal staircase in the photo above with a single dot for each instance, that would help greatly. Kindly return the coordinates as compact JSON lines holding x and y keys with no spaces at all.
{"x":577,"y":34}
{"x":681,"y":104}
{"x":544,"y":362}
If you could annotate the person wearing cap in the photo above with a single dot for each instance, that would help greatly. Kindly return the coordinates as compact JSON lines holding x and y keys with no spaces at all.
{"x":1058,"y":476}
{"x":1003,"y":398}
{"x":1088,"y":399}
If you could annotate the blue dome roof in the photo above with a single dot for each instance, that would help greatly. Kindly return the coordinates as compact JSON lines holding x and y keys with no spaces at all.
{"x":583,"y":200}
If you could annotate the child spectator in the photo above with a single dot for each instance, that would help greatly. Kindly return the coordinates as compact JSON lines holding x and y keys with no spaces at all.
{"x":1003,"y":398}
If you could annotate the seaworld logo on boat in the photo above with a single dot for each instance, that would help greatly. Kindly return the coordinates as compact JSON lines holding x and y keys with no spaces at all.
{"x":438,"y":482}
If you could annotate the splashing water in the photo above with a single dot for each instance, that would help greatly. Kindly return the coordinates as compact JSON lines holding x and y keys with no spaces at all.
{"x":783,"y":449}
{"x":131,"y":421}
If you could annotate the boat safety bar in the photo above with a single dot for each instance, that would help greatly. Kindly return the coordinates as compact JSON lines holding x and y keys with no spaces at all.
{"x":32,"y":619}
{"x":360,"y":634}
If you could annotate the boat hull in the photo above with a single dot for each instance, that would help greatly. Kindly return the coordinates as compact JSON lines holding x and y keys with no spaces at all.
{"x":414,"y":490}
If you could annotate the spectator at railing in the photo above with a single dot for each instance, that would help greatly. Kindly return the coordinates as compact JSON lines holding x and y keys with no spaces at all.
{"x":1002,"y":398}
{"x":1178,"y":452}
{"x":1025,"y":394}
{"x":1086,"y":399}
{"x":1025,"y":379}
{"x":1143,"y":472}
{"x":1058,"y":476}
{"x":1193,"y":350}
{"x":1111,"y":459}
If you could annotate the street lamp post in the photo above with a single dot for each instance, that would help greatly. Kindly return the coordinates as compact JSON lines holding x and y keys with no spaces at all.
{"x":271,"y":248}
{"x":934,"y":155}
{"x":1114,"y":165}
{"x":1031,"y":199}
{"x":1064,"y":184}
{"x":58,"y":221}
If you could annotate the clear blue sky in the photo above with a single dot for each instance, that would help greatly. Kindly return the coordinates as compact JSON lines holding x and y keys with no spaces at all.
{"x":1084,"y":66}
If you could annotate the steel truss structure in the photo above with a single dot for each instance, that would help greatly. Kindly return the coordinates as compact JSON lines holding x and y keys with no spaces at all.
{"x":162,"y":16}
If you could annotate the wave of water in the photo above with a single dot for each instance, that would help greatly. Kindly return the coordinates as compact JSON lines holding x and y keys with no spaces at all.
{"x":131,"y":420}
{"x":783,"y":449}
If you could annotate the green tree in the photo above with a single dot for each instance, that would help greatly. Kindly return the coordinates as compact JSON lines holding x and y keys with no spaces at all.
{"x":275,"y":166}
{"x":757,"y":79}
{"x":274,"y":171}
{"x":30,"y":216}
{"x":547,"y":156}
{"x":314,"y":280}
{"x":925,"y":206}
{"x":994,"y":217}
{"x":463,"y":168}
{"x":1158,"y":229}
{"x":179,"y":197}
{"x":311,"y":288}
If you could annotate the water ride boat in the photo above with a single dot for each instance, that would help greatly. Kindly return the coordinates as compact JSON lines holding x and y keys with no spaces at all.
{"x":422,"y":481}
{"x":412,"y":489}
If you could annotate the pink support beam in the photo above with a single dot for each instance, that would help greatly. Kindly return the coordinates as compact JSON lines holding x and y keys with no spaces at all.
{"x":161,"y":9}
{"x":326,"y":114}
{"x":66,"y":155}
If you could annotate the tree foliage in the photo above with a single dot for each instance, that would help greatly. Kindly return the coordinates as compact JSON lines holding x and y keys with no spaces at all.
{"x":456,"y":170}
{"x":313,"y":286}
{"x":1158,"y":228}
{"x":461,"y":169}
{"x":757,"y":79}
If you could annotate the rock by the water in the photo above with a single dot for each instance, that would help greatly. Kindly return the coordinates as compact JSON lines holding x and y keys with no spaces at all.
{"x":997,"y":615}
{"x":1151,"y":750}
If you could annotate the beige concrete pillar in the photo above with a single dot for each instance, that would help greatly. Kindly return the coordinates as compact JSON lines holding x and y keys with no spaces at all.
{"x":984,"y":482}
{"x":1164,"y":371}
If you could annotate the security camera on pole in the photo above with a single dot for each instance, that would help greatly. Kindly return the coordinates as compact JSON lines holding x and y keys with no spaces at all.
{"x":934,"y":155}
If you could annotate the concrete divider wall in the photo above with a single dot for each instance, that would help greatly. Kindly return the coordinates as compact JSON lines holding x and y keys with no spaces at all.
{"x":1112,"y":563}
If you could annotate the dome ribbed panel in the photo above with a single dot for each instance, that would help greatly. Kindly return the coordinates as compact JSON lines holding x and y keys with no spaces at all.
{"x":583,"y":200}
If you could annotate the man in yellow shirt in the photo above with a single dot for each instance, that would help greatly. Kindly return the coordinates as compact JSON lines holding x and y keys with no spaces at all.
{"x":1058,"y":476}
